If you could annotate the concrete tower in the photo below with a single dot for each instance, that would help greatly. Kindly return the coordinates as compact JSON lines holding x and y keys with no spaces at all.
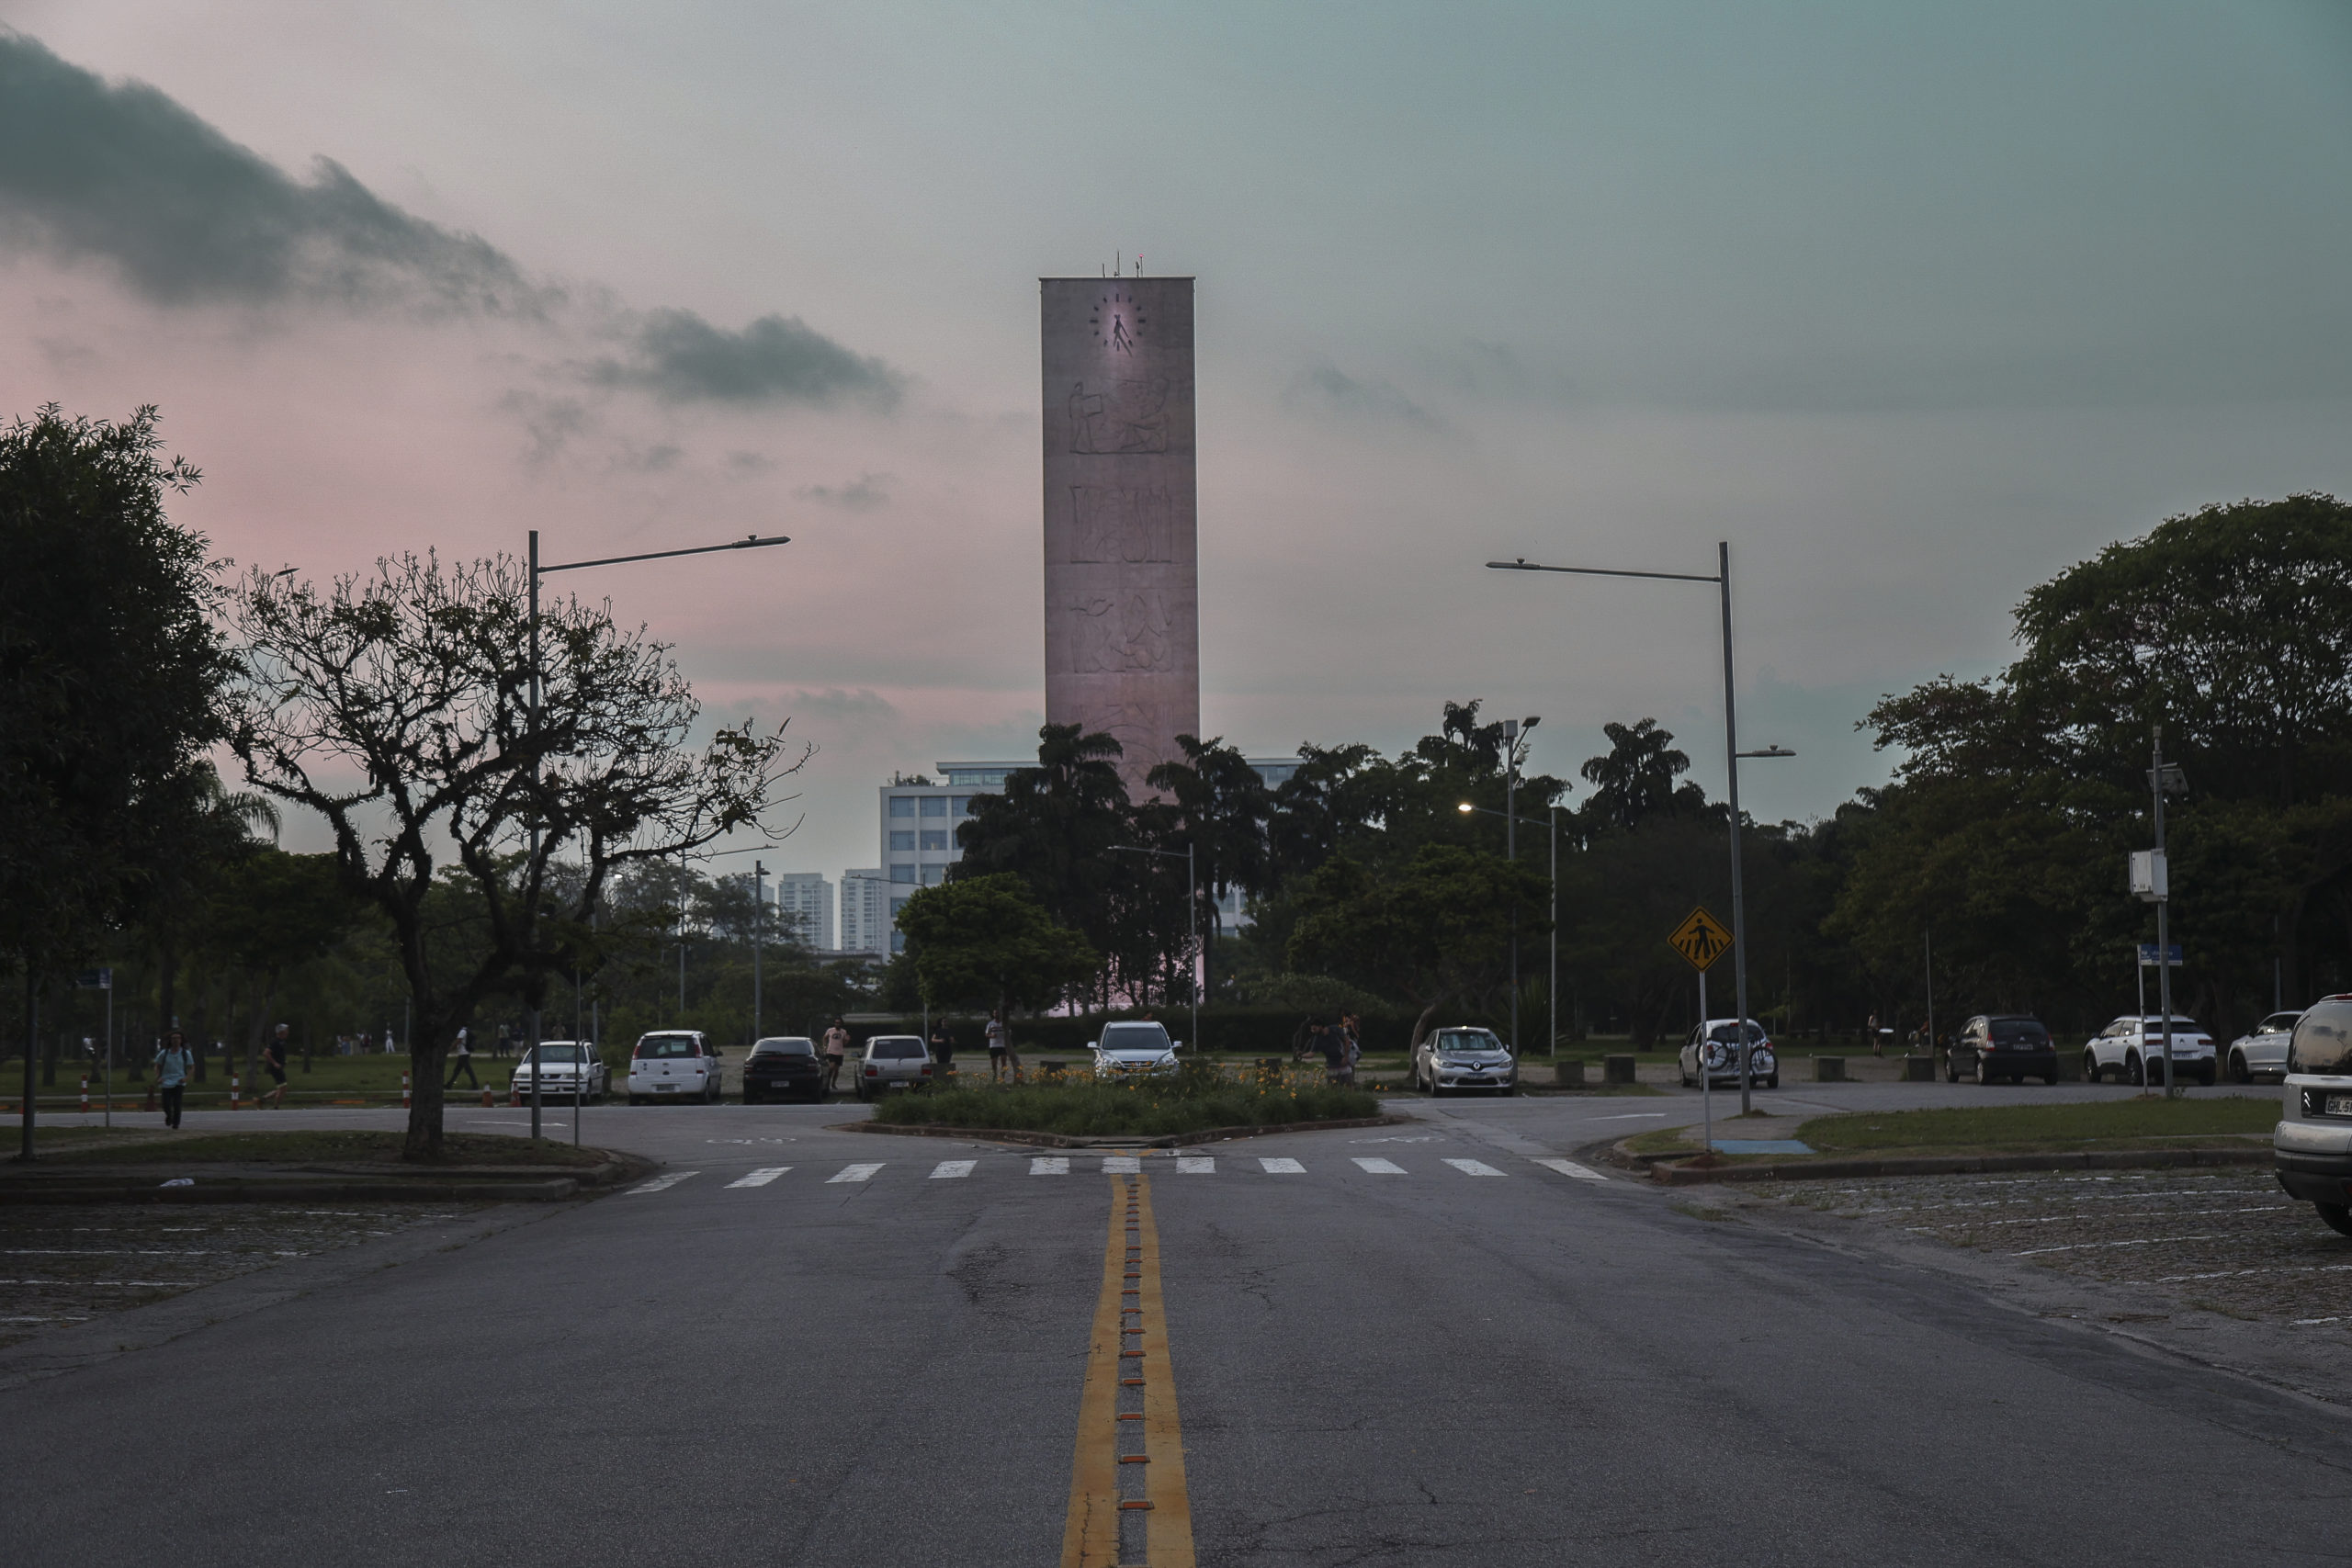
{"x":1123,"y":643}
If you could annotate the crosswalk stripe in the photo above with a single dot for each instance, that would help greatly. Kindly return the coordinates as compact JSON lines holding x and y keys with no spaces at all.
{"x":855,"y":1172}
{"x":1121,"y":1165}
{"x":1570,"y":1167}
{"x":1049,"y":1165}
{"x":761,"y":1178}
{"x":948,"y":1169}
{"x":1474,"y":1167}
{"x":1379,"y":1167}
{"x":1196,"y":1164}
{"x":661,"y":1183}
{"x":1278,"y":1167}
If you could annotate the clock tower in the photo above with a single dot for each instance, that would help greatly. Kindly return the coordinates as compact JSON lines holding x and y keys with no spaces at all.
{"x":1122,"y":562}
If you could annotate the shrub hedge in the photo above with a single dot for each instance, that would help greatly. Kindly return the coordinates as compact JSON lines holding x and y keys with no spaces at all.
{"x":1226,"y":1030}
{"x":1201,"y":1096}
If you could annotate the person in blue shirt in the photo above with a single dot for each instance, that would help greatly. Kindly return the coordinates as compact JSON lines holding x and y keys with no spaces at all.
{"x":174,"y":1062}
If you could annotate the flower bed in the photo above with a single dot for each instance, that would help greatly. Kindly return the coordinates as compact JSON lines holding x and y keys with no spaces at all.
{"x":1199,"y":1096}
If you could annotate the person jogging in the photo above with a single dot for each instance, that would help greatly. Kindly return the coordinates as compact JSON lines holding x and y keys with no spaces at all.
{"x":274,"y":1052}
{"x":173,"y":1064}
{"x":836,"y":1047}
{"x":1000,"y":1057}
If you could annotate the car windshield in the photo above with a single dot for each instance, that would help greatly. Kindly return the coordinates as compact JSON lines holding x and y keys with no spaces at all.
{"x":2323,"y":1041}
{"x":904,"y":1048}
{"x":654,"y":1047}
{"x":558,"y":1054}
{"x":784,"y":1048}
{"x":1146,"y":1037}
{"x":1461,"y":1042}
{"x":2018,"y":1031}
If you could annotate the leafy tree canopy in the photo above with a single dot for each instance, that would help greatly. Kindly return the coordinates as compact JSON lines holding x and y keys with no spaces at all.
{"x":987,"y":939}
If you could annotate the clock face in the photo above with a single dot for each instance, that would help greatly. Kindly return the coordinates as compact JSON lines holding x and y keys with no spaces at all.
{"x":1117,"y":321}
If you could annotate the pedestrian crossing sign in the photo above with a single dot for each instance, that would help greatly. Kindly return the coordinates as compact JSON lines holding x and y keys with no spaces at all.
{"x":1701,"y":939}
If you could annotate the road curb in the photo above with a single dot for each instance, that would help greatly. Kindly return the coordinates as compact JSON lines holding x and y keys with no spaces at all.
{"x":465,"y":1184}
{"x":1673,"y":1175}
{"x":1110,"y":1140}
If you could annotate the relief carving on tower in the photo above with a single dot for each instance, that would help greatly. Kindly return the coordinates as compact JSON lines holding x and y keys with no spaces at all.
{"x":1127,"y":632}
{"x":1129,"y":416}
{"x":1113,"y":524}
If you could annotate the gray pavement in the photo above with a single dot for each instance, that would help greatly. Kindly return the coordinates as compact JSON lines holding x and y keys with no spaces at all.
{"x":1423,"y":1365}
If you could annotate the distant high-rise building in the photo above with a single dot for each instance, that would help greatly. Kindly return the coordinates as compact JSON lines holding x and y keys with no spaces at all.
{"x":804,"y":902}
{"x":865,"y":910}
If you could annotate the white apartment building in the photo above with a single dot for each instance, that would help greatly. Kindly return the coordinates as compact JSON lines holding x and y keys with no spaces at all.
{"x":865,"y":910}
{"x":804,"y":905}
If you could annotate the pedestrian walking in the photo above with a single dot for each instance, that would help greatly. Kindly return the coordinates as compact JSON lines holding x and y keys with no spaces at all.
{"x":173,"y":1064}
{"x":1333,"y":1040}
{"x":999,"y":1046}
{"x":1876,"y":1049}
{"x":274,"y":1052}
{"x":1354,"y":1034}
{"x":462,"y":1061}
{"x":942,"y":1050}
{"x":836,"y":1047}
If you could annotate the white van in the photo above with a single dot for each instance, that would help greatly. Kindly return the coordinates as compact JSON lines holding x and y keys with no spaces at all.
{"x":2313,"y":1147}
{"x":673,"y":1063}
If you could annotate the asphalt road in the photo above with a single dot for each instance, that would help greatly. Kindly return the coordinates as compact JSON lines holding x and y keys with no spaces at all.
{"x":1428,"y":1365}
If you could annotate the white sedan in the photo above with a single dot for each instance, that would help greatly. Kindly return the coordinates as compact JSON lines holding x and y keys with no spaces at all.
{"x":1134,"y":1050}
{"x":562,"y":1059}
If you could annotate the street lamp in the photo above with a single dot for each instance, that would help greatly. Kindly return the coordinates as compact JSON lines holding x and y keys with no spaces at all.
{"x":759,"y":920}
{"x":1732,"y":754}
{"x":1191,"y":919}
{"x":749,"y":542}
{"x":1554,"y":1048}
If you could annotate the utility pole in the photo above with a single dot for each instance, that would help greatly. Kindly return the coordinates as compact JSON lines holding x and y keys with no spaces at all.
{"x":2156,"y":783}
{"x":759,"y":919}
{"x":1511,"y":852}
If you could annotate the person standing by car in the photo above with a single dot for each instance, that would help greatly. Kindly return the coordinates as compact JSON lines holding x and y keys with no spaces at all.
{"x":999,"y":1046}
{"x":1353,"y":1031}
{"x":461,"y":1060}
{"x":173,"y":1064}
{"x":836,"y":1047}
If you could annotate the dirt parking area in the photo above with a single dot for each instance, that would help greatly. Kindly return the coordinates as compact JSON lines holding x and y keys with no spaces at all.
{"x":2227,"y":1242}
{"x":67,"y":1264}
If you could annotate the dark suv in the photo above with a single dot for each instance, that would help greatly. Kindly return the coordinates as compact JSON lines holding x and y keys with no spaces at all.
{"x":1996,"y":1046}
{"x":783,"y":1067}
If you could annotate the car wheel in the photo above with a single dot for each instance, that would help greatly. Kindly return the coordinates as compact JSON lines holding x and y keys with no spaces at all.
{"x":1952,"y":1070}
{"x":2238,"y":1072}
{"x":2206,"y":1075}
{"x":1772,"y":1082}
{"x":2135,"y":1071}
{"x":2338,"y":1218}
{"x":1984,"y":1073}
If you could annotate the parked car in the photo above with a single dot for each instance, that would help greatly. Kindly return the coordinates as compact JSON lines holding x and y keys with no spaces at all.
{"x":1451,"y":1060}
{"x":2313,"y":1145}
{"x":1139,"y":1050}
{"x":2262,"y":1052}
{"x":784,"y":1067}
{"x":1714,"y":1046}
{"x":1993,"y":1046}
{"x":894,"y":1061}
{"x":562,"y":1058}
{"x":673,"y":1063}
{"x":2134,"y":1050}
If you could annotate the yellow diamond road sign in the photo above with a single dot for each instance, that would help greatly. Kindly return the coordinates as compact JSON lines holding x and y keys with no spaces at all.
{"x":1701,"y":939}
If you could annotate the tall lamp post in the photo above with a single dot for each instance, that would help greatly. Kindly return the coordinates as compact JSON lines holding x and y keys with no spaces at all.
{"x":1191,"y":919}
{"x":752,"y":542}
{"x":1466,"y":808}
{"x":759,"y":921}
{"x":1721,"y":576}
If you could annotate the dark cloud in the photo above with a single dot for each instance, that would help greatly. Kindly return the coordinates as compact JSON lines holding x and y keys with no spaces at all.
{"x":1331,"y":391}
{"x":862,"y":494}
{"x":90,"y":170}
{"x":680,"y":357}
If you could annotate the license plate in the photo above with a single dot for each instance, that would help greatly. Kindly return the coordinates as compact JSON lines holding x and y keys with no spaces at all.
{"x":664,"y":1087}
{"x":2339,"y":1105}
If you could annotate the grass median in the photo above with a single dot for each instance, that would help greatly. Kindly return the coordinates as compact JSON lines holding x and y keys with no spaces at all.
{"x":2146,"y":1123}
{"x":1199,"y":1097}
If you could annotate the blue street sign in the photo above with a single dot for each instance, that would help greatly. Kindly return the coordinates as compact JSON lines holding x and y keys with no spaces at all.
{"x":2148,"y":956}
{"x":95,"y":980}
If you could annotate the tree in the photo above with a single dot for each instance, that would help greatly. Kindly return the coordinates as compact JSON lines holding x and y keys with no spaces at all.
{"x":1437,"y":930}
{"x":268,"y":912}
{"x":1635,"y":780}
{"x":982,"y":937}
{"x":395,"y":706}
{"x":109,"y":673}
{"x":1054,"y":828}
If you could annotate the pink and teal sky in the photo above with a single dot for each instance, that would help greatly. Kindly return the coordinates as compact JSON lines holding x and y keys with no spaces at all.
{"x":1916,"y":305}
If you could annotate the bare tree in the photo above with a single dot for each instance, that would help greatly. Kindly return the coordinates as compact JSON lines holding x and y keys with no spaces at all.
{"x":396,"y":705}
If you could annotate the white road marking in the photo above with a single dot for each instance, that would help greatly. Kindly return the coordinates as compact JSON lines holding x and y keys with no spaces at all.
{"x":1474,"y":1167}
{"x":2094,"y":1246}
{"x":1632,"y":1116}
{"x":1570,"y":1167}
{"x":1121,"y":1165}
{"x":1276,"y":1165}
{"x":760,"y":1178}
{"x":949,"y":1170}
{"x":1380,"y":1166}
{"x":1049,"y":1165}
{"x":855,"y":1173}
{"x":663,"y":1184}
{"x":1196,"y":1164}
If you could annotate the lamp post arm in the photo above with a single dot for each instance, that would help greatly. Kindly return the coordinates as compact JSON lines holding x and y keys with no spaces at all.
{"x":753,"y":543}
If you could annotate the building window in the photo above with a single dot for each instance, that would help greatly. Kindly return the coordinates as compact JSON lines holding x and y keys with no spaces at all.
{"x":902,"y":806}
{"x":902,"y":872}
{"x":934,"y":805}
{"x":933,"y":838}
{"x":960,"y":805}
{"x":933,"y":876}
{"x":902,"y":839}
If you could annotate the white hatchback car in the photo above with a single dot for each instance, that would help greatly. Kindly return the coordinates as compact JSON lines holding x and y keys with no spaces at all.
{"x":673,"y":1063}
{"x":2312,"y":1148}
{"x":2134,"y":1050}
{"x":2262,"y":1052}
{"x":562,"y":1058}
{"x":1713,"y":1049}
{"x":894,"y":1061}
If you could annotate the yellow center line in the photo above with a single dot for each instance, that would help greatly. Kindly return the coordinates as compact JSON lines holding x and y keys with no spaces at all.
{"x":1090,"y":1536}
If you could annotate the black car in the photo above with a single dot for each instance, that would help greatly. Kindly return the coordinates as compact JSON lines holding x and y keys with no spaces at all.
{"x":1996,"y":1045}
{"x":784,"y":1067}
